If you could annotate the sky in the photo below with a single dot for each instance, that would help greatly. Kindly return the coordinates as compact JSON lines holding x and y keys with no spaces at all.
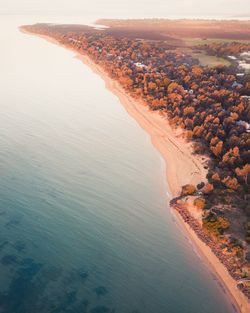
{"x":130,"y":8}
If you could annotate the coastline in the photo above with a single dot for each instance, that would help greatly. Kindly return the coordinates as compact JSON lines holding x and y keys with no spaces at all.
{"x":183,"y":163}
{"x":177,"y":153}
{"x":172,"y":147}
{"x":185,"y":168}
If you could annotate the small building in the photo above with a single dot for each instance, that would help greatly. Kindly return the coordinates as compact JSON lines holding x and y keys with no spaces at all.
{"x":235,"y":85}
{"x":232,"y":57}
{"x":244,"y":124}
{"x":141,"y":65}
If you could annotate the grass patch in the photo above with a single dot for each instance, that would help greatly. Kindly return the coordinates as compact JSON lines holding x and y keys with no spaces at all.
{"x":191,"y":42}
{"x":210,"y":60}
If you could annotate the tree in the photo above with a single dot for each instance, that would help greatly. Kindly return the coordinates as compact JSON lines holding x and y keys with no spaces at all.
{"x":189,"y":111}
{"x":175,"y":87}
{"x":231,"y":156}
{"x":216,"y":177}
{"x":152,"y":86}
{"x":197,"y":71}
{"x":236,"y":152}
{"x":166,"y":81}
{"x":126,"y":81}
{"x":198,"y":131}
{"x":200,"y":203}
{"x":231,"y":183}
{"x":208,"y":188}
{"x":243,"y":172}
{"x":189,"y":134}
{"x":217,"y":149}
{"x":215,"y":225}
{"x":188,"y":123}
{"x":214,"y":141}
{"x":188,"y":190}
{"x":133,"y":56}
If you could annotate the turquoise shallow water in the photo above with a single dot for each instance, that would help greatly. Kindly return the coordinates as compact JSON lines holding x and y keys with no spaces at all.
{"x":84,"y":220}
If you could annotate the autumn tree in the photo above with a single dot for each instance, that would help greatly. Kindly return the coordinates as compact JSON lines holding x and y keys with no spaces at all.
{"x":175,"y":87}
{"x":217,"y":150}
{"x":216,"y":177}
{"x":197,"y":71}
{"x":200,"y":203}
{"x":188,"y":190}
{"x":231,"y":182}
{"x":208,"y":188}
{"x":243,"y":172}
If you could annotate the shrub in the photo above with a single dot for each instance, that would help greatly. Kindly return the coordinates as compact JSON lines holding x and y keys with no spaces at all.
{"x":208,"y":188}
{"x":200,"y":203}
{"x":188,"y":190}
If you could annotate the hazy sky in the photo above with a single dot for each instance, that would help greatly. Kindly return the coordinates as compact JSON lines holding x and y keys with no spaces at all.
{"x":131,"y":8}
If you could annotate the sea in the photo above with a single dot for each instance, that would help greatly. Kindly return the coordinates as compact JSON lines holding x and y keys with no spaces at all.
{"x":85,"y":224}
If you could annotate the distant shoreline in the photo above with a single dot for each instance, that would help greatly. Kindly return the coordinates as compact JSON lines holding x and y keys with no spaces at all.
{"x":181,"y":164}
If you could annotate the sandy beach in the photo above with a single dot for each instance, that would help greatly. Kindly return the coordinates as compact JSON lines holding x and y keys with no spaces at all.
{"x":185,"y":168}
{"x":182,"y":167}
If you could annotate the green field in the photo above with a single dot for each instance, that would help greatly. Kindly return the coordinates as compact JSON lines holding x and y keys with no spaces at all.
{"x":209,"y":60}
{"x":190,"y":42}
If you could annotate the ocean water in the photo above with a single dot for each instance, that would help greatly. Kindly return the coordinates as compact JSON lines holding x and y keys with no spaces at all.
{"x":85,"y":224}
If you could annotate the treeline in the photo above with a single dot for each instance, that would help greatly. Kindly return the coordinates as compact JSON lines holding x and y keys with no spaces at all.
{"x":224,"y":49}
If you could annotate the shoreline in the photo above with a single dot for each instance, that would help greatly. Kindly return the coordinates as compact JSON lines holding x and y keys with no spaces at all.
{"x":219,"y":272}
{"x":139,"y":112}
{"x":181,"y":164}
{"x":169,"y":143}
